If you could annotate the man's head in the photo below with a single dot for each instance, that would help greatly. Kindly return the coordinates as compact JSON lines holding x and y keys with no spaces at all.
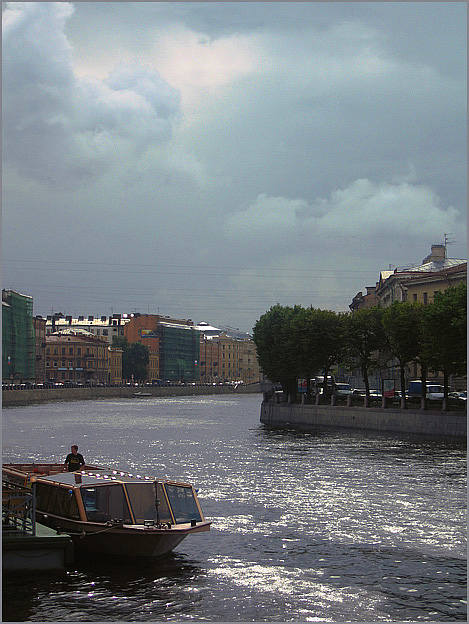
{"x":74,"y":449}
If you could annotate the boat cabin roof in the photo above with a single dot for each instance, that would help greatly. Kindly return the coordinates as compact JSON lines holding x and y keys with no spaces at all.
{"x":85,"y":478}
{"x":90,"y":476}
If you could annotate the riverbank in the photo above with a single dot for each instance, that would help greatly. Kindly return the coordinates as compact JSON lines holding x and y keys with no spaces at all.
{"x":46,"y":395}
{"x":415,"y":421}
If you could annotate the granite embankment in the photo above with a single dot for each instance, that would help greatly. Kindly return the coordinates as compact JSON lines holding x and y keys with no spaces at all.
{"x":393,"y":419}
{"x":46,"y":395}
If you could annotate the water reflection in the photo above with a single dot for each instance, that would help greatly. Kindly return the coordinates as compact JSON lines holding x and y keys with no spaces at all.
{"x":325,"y":525}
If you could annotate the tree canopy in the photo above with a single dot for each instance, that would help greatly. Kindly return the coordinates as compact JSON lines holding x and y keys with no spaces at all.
{"x":296,"y":342}
{"x":135,"y":358}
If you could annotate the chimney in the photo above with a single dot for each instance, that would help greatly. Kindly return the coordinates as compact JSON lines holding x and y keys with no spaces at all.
{"x":438,"y":254}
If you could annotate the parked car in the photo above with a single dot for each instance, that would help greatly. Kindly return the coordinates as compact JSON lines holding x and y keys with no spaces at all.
{"x":342,"y":389}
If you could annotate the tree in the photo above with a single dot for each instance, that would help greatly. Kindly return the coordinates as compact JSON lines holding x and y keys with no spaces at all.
{"x":446,"y":322}
{"x":320,"y":340}
{"x":329,"y":334}
{"x":276,"y":350}
{"x":135,"y":358}
{"x":401,"y":322}
{"x":304,"y":335}
{"x":365,"y":339}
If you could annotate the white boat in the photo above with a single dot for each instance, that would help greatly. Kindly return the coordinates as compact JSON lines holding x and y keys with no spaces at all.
{"x":111,"y":511}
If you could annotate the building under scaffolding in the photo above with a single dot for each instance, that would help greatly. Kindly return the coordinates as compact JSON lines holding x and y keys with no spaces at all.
{"x":18,"y":337}
{"x":179,"y":352}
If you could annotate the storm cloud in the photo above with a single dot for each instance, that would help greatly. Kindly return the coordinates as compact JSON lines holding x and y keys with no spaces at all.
{"x":207,"y":160}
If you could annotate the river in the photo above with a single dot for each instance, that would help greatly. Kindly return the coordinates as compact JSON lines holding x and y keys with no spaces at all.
{"x":329,"y":525}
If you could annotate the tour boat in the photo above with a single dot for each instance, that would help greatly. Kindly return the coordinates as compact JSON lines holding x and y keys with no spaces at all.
{"x":112,"y":511}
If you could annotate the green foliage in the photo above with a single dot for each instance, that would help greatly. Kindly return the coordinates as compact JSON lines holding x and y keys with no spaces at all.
{"x":274,"y":340}
{"x":446,"y":323}
{"x":135,"y":358}
{"x":365,"y":341}
{"x":295,"y":342}
{"x":402,"y":326}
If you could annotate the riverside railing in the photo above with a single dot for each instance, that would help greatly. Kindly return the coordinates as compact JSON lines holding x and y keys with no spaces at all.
{"x":18,"y":508}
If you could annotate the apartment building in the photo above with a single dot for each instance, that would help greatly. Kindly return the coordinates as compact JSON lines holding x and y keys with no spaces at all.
{"x":419,"y":283}
{"x":106,"y":327}
{"x":79,"y":356}
{"x":39,"y":325}
{"x":225,"y":357}
{"x":173,"y":345}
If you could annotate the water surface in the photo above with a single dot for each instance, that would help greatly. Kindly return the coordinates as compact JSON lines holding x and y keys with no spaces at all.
{"x":330,"y":525}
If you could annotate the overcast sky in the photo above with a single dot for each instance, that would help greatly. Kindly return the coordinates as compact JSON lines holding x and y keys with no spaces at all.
{"x":208,"y":160}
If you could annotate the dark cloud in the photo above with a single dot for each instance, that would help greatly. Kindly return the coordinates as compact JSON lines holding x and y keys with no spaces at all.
{"x":233,"y":154}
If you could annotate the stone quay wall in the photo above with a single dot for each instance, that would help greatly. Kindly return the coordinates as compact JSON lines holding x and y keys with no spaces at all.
{"x":414,"y":421}
{"x":47,"y":395}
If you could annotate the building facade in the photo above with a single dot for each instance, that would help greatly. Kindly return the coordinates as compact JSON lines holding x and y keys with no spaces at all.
{"x":40,"y":341}
{"x":81,"y":357}
{"x":106,"y":327}
{"x":226,"y":357}
{"x":420,"y":283}
{"x":18,"y":338}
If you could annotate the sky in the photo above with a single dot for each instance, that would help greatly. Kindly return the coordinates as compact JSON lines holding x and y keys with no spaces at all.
{"x":207,"y":160}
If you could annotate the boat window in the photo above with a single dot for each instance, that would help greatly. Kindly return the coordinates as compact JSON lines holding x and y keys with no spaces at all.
{"x":56,"y":500}
{"x":142,"y":499}
{"x":183,"y":503}
{"x":105,"y":502}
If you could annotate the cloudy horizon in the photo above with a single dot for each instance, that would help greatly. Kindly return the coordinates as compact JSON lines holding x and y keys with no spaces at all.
{"x":209,"y":160}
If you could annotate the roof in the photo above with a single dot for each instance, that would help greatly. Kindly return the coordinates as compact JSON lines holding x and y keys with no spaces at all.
{"x":432,"y":266}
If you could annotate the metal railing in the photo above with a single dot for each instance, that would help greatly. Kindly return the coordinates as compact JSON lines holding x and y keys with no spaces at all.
{"x":18,"y":508}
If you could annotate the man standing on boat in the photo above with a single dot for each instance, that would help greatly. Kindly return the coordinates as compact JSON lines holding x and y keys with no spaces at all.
{"x":74,"y":460}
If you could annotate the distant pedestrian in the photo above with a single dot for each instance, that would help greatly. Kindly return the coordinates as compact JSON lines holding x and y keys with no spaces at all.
{"x":74,"y":460}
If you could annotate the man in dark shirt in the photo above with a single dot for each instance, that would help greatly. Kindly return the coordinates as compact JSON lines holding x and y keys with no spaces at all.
{"x":74,"y":460}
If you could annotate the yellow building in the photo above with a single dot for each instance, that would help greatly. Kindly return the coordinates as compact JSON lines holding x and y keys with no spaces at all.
{"x":225,"y":357}
{"x":420,"y":283}
{"x":79,"y":356}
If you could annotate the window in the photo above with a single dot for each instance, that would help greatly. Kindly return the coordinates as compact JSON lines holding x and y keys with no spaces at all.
{"x":142,"y":500}
{"x":63,"y":350}
{"x":70,"y":364}
{"x":415,"y":296}
{"x":55,"y":350}
{"x":63,"y":363}
{"x":55,"y":364}
{"x":183,"y":503}
{"x":105,"y":332}
{"x":425,"y":298}
{"x":48,"y":351}
{"x":105,"y":502}
{"x":57,"y":501}
{"x":78,"y":350}
{"x":70,"y":351}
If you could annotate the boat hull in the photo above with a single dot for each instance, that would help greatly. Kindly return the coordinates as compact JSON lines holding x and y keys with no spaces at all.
{"x":122,"y":541}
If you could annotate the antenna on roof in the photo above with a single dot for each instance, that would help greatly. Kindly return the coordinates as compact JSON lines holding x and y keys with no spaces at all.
{"x":448,"y":241}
